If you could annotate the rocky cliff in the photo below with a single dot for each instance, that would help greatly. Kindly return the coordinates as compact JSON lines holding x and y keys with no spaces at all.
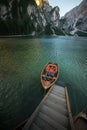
{"x":75,"y":21}
{"x":37,"y":17}
{"x":25,"y":17}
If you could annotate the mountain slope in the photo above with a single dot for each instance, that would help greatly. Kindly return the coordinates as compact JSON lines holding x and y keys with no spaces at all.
{"x":75,"y":21}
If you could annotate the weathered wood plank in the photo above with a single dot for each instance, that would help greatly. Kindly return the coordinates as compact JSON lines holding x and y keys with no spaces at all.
{"x":42,"y":124}
{"x":62,"y":104}
{"x":57,"y":107}
{"x":57,"y":98}
{"x":58,"y":94}
{"x":51,"y":122}
{"x":34,"y":127}
{"x":54,"y":115}
{"x":59,"y":91}
{"x":69,"y":110}
{"x":57,"y":87}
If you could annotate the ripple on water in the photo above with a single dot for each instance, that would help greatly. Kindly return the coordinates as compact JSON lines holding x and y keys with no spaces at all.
{"x":21,"y":62}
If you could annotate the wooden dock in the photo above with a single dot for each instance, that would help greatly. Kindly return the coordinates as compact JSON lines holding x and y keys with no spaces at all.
{"x":53,"y":113}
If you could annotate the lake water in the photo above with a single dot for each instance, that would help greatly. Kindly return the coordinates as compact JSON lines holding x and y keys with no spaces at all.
{"x":21,"y":62}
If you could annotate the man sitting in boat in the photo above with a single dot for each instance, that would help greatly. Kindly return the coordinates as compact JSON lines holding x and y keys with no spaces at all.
{"x":49,"y":75}
{"x":51,"y":70}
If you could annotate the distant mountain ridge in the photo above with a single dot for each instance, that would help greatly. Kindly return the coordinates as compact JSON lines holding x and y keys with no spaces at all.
{"x":75,"y":21}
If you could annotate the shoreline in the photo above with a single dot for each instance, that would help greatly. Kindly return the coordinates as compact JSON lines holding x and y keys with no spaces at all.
{"x":30,"y":35}
{"x":13,"y":36}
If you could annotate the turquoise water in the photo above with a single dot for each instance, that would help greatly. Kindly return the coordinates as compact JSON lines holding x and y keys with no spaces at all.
{"x":21,"y":62}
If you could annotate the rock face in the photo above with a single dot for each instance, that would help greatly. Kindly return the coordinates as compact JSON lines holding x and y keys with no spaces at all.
{"x":45,"y":19}
{"x":75,"y":21}
{"x":25,"y":17}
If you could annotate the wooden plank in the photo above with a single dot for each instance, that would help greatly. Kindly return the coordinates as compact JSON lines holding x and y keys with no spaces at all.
{"x":58,"y":94}
{"x":42,"y":124}
{"x":57,"y":98}
{"x":34,"y":127}
{"x":51,"y":122}
{"x":58,"y":90}
{"x":56,"y":107}
{"x":57,"y":87}
{"x":62,"y":104}
{"x":56,"y":116}
{"x":69,"y":110}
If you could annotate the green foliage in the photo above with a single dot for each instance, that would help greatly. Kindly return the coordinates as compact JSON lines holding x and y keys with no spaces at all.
{"x":15,"y":9}
{"x":79,"y":33}
{"x":20,"y":23}
{"x":63,"y":20}
{"x":27,"y":25}
{"x":3,"y":28}
{"x":4,"y":2}
{"x":23,"y":2}
{"x":58,"y":31}
{"x":13,"y":26}
{"x":48,"y":30}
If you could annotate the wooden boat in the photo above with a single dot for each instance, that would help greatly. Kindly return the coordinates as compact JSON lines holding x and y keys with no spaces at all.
{"x":80,"y":121}
{"x":49,"y":75}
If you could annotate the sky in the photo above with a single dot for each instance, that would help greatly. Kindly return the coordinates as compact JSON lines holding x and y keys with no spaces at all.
{"x":64,"y":5}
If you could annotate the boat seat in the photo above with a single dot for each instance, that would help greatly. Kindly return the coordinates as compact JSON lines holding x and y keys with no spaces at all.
{"x":47,"y":78}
